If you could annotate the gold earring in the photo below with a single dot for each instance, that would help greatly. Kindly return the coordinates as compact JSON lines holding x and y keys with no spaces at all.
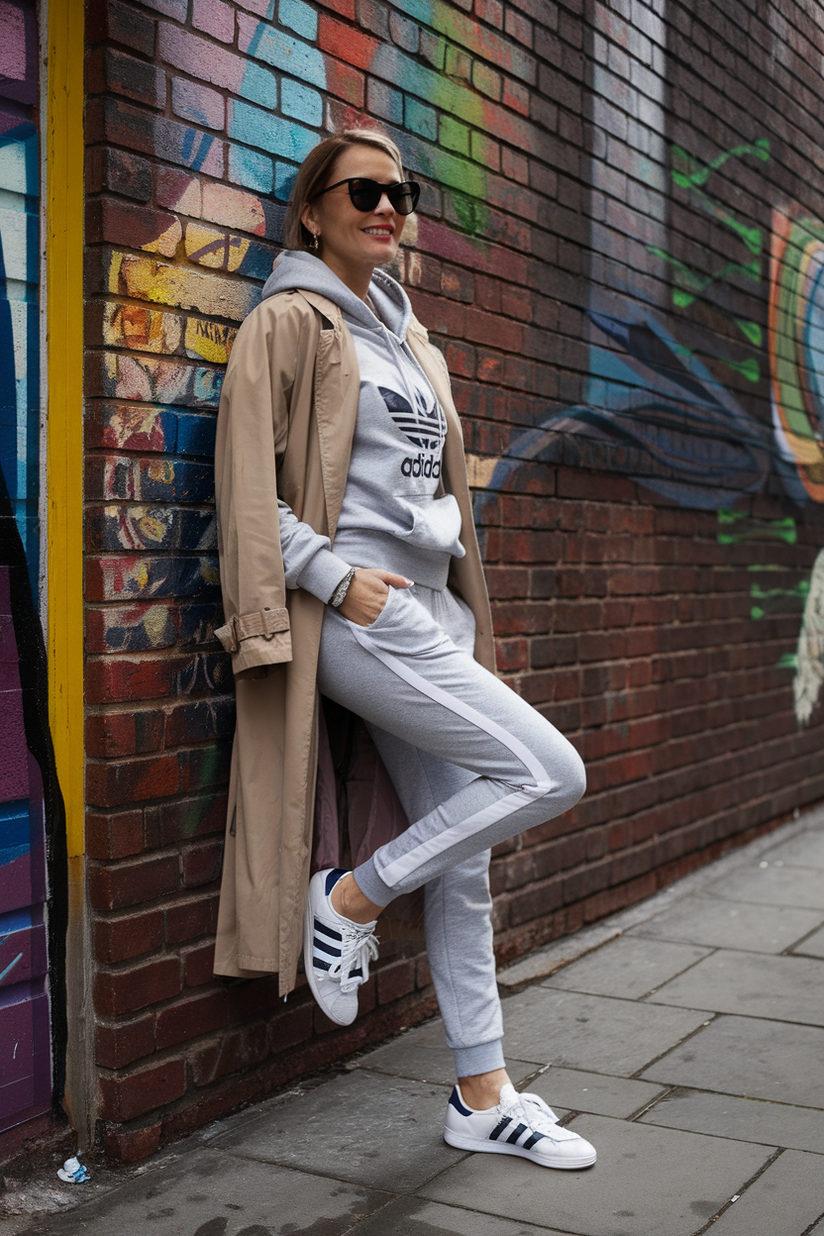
{"x":314,"y":242}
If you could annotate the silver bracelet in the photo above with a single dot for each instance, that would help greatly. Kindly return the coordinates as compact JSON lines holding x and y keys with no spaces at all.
{"x":337,"y":597}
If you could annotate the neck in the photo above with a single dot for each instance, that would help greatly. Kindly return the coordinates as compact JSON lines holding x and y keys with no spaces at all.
{"x":356,"y":280}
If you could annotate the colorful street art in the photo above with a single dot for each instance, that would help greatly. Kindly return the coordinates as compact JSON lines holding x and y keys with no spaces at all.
{"x":30,"y":807}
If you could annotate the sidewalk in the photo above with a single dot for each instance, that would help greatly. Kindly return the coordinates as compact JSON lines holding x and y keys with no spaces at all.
{"x":689,"y":1049}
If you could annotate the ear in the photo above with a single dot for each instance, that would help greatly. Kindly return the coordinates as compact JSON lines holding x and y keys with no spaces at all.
{"x":307,"y":218}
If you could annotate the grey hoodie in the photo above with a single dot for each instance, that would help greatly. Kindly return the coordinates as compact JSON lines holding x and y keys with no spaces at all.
{"x":392,"y":516}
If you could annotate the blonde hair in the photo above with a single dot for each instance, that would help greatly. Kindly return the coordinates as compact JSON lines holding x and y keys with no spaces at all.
{"x":314,"y":173}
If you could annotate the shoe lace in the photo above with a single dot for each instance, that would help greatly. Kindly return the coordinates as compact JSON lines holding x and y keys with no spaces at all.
{"x":542,"y":1119}
{"x":359,"y":946}
{"x":533,"y":1111}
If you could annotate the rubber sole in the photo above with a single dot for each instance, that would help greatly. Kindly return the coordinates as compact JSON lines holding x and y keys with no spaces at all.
{"x":482,"y":1145}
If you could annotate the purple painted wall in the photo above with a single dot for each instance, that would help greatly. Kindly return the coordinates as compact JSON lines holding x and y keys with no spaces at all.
{"x":25,"y":1038}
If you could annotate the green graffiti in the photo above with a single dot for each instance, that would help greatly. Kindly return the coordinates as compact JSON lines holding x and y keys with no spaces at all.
{"x":751,"y":330}
{"x":777,"y":600}
{"x":699,"y":175}
{"x":799,"y":590}
{"x":787,"y":660}
{"x":737,"y":526}
{"x":689,"y":284}
{"x":749,"y":369}
{"x":472,"y":216}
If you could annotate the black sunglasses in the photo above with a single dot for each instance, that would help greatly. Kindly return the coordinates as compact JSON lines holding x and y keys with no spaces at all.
{"x":365,"y":194}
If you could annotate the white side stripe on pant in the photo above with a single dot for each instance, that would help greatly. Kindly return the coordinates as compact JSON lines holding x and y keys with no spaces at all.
{"x":408,"y":863}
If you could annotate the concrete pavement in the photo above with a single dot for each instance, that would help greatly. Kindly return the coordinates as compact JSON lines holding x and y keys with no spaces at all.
{"x":684,"y":1038}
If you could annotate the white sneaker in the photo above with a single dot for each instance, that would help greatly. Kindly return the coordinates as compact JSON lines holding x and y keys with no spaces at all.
{"x":336,"y":951}
{"x":521,"y":1124}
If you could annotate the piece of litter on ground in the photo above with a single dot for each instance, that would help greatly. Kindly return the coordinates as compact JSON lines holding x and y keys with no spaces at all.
{"x":762,"y":864}
{"x":735,"y":1199}
{"x":73,"y":1171}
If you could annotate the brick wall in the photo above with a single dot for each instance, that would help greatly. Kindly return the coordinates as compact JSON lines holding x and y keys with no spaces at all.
{"x":599,"y":254}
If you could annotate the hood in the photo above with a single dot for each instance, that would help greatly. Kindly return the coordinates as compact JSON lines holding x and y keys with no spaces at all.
{"x":294,"y":268}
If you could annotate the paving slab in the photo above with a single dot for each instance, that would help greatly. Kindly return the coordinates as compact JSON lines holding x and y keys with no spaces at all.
{"x":647,"y":1182}
{"x":746,"y":1120}
{"x":813,"y":946}
{"x":783,"y":1201}
{"x":576,"y":1090}
{"x":364,"y":1127}
{"x":751,"y":1057}
{"x":805,"y":850}
{"x":724,"y":924}
{"x":206,"y":1193}
{"x":422,"y":1055}
{"x":413,"y":1216}
{"x":627,"y":967}
{"x":597,"y":1033}
{"x":784,"y":988}
{"x":771,"y":886}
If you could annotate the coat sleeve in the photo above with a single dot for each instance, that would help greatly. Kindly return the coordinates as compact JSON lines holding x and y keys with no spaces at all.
{"x":252,"y":432}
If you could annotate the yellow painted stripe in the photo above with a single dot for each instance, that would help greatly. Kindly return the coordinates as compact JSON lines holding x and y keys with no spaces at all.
{"x":64,"y":291}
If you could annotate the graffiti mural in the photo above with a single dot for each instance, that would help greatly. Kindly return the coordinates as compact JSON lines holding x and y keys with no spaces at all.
{"x":30,"y":808}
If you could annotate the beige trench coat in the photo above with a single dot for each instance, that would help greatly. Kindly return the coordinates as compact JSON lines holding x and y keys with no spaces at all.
{"x":286,"y":421}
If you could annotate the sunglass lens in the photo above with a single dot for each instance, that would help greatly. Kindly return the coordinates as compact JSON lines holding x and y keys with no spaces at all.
{"x":404,"y":197}
{"x":364,"y":194}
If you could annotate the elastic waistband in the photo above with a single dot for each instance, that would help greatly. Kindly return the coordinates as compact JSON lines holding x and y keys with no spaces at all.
{"x":380,"y":549}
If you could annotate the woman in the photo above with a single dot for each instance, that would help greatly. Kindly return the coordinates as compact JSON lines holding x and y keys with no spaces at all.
{"x":349,"y":561}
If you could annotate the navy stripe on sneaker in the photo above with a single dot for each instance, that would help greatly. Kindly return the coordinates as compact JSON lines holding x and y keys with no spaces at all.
{"x":327,"y":931}
{"x":319,"y":964}
{"x":530,"y":1141}
{"x":328,"y":950}
{"x":332,"y":878}
{"x":499,"y":1128}
{"x":458,"y":1105}
{"x":516,"y":1133}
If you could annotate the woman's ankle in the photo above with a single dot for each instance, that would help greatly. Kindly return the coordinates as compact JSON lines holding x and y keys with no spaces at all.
{"x":348,"y":901}
{"x":484,"y":1089}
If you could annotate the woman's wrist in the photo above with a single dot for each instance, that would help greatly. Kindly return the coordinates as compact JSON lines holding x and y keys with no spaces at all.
{"x":339,"y":595}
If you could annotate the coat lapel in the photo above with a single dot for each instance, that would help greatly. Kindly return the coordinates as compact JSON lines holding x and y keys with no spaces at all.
{"x":337,"y":385}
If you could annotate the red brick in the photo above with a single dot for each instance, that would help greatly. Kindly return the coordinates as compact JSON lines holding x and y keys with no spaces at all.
{"x":346,"y":8}
{"x":191,"y":919}
{"x":345,"y":42}
{"x":113,"y":783}
{"x":131,"y":1145}
{"x":189,"y":1019}
{"x":124,"y":733}
{"x":198,"y":964}
{"x":122,"y":24}
{"x":122,"y":678}
{"x":201,"y":864}
{"x":114,"y":72}
{"x":231,"y":1053}
{"x":119,"y":939}
{"x":345,"y":82}
{"x":127,"y":1095}
{"x":123,"y":991}
{"x":114,"y":836}
{"x":395,"y":981}
{"x":491,"y":11}
{"x":127,"y":884}
{"x":120,"y":1043}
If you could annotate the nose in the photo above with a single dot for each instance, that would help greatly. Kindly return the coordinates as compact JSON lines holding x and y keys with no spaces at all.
{"x":384,"y":206}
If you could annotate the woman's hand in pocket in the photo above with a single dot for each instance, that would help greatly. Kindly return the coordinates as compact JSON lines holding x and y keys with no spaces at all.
{"x":368,"y":593}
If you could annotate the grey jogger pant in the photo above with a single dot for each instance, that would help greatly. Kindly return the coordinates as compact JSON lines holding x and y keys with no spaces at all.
{"x":473,"y":764}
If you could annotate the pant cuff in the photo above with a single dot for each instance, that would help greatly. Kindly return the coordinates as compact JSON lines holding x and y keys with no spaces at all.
{"x":481,"y":1059}
{"x":371,"y":885}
